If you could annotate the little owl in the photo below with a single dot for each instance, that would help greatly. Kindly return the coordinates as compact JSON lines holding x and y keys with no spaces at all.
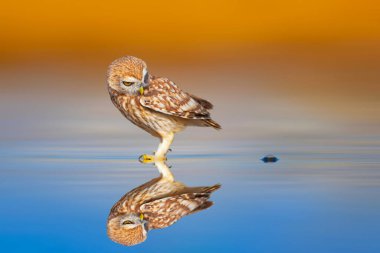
{"x":155,"y":104}
{"x":156,"y":204}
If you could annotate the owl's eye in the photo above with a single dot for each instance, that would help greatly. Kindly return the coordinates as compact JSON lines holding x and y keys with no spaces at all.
{"x":127,"y":83}
{"x":127,"y":222}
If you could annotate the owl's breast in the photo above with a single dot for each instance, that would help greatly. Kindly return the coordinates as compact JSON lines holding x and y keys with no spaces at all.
{"x":155,"y":123}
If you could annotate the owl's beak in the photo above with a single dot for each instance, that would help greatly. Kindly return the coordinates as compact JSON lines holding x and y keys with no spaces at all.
{"x":141,"y":90}
{"x":141,"y":216}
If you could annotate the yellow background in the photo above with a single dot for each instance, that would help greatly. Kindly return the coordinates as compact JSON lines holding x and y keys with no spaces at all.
{"x":101,"y":27}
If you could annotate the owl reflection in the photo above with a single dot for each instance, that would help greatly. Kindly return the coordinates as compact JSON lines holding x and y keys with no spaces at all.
{"x":156,"y":204}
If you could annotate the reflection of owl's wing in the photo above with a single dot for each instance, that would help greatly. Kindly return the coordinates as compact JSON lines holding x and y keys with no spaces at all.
{"x":165,"y":97}
{"x":164,"y":212}
{"x":132,"y":199}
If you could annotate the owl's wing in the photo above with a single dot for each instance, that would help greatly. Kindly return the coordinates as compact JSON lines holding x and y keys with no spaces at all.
{"x":164,"y":212}
{"x":165,"y":97}
{"x":206,"y":104}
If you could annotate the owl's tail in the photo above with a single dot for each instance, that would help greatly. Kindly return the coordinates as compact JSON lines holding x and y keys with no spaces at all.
{"x":211,"y":123}
{"x":211,"y":189}
{"x":204,"y":191}
{"x":204,"y":194}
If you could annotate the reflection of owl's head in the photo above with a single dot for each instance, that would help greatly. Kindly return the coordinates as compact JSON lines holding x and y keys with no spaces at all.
{"x":127,"y":229}
{"x":128,"y":75}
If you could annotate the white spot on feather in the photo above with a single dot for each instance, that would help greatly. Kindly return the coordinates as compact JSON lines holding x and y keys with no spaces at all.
{"x":189,"y":105}
{"x":191,"y":205}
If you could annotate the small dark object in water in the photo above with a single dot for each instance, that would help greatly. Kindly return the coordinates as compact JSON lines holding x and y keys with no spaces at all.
{"x":269,"y":159}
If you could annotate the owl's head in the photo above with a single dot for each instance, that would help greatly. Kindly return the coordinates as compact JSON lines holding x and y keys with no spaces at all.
{"x":128,"y":229}
{"x":128,"y":75}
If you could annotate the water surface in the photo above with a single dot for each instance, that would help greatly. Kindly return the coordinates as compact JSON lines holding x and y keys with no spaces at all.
{"x":316,"y":198}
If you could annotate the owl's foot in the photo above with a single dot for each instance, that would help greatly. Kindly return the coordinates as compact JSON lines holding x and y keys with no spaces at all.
{"x":146,"y":158}
{"x":150,"y":158}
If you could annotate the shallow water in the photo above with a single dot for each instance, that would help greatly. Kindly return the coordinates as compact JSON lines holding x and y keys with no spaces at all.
{"x":316,"y":198}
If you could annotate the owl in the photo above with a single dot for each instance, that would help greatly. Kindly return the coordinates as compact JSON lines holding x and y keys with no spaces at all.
{"x":154,"y":104}
{"x":156,"y":204}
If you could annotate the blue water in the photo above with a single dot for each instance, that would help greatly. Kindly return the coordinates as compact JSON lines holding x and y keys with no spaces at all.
{"x":323,"y":195}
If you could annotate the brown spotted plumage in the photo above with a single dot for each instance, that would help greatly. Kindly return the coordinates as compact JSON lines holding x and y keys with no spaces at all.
{"x":155,"y":104}
{"x":165,"y":97}
{"x":156,"y":204}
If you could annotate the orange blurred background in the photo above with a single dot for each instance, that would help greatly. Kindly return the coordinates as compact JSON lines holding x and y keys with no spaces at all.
{"x":156,"y":27}
{"x":272,"y":66}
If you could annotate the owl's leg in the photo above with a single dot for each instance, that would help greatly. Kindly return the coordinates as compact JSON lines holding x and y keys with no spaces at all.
{"x":164,"y":170}
{"x":164,"y":146}
{"x":162,"y":150}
